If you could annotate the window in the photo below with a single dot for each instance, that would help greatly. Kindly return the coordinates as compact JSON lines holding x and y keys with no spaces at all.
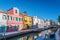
{"x":14,"y":26}
{"x":16,"y":11}
{"x":18,"y":26}
{"x":47,"y":24}
{"x":9,"y":17}
{"x":20,"y":19}
{"x":25,"y":19}
{"x":10,"y":26}
{"x":16,"y":18}
{"x":4,"y":17}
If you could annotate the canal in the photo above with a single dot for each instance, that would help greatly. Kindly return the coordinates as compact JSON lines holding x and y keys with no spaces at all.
{"x":31,"y":36}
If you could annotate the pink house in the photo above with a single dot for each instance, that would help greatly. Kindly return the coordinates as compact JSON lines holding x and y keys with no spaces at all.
{"x":14,"y":21}
{"x":40,"y":23}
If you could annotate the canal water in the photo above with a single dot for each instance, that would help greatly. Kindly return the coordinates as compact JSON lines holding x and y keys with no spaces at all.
{"x":31,"y":36}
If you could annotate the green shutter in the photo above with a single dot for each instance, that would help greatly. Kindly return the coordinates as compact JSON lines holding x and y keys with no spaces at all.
{"x":8,"y":17}
{"x":15,"y":11}
{"x":11,"y":17}
{"x":4,"y":17}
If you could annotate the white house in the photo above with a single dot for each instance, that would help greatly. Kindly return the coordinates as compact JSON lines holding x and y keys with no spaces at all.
{"x":3,"y":21}
{"x":35,"y":22}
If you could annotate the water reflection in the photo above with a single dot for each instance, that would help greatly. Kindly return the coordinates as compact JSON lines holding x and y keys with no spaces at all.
{"x":31,"y":36}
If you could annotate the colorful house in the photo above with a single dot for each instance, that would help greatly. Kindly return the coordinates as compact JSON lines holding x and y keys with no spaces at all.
{"x":27,"y":21}
{"x":35,"y":22}
{"x":3,"y":21}
{"x":51,"y":22}
{"x":22,"y":15}
{"x":14,"y":21}
{"x":39,"y":23}
{"x":47,"y":23}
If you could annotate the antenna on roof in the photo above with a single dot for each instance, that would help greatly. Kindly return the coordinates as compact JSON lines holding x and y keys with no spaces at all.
{"x":25,"y":12}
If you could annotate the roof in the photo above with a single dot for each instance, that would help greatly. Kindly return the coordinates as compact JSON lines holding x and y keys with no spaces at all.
{"x":1,"y":11}
{"x":25,"y":14}
{"x":8,"y":12}
{"x":12,"y":8}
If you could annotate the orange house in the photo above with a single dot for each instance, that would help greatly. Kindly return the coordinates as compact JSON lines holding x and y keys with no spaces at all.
{"x":27,"y":21}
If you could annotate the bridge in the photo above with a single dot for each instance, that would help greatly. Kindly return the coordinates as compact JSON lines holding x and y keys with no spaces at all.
{"x":16,"y":33}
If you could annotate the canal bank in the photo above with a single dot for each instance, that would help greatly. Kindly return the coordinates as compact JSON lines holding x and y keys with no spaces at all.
{"x":16,"y":33}
{"x":12,"y":34}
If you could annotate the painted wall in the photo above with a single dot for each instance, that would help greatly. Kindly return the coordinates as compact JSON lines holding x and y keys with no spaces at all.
{"x":35,"y":22}
{"x":42,"y":26}
{"x":3,"y":22}
{"x":39,"y":23}
{"x":28,"y":21}
{"x":14,"y":22}
{"x":23,"y":22}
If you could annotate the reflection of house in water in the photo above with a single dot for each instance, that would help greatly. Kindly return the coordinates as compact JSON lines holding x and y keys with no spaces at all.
{"x":27,"y":37}
{"x":46,"y":24}
{"x":39,"y":34}
{"x":30,"y":37}
{"x":24,"y":38}
{"x":57,"y":34}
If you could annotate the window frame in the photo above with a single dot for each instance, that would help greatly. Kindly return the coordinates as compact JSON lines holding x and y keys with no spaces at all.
{"x":4,"y":17}
{"x":9,"y":17}
{"x":16,"y":11}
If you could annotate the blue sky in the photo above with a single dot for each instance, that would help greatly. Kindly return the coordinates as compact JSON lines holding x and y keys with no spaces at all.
{"x":49,"y":9}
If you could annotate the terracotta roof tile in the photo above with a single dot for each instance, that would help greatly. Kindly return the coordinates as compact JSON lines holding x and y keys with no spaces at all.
{"x":2,"y":11}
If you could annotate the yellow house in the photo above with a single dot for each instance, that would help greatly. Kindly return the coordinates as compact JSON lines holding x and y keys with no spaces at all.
{"x":27,"y":21}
